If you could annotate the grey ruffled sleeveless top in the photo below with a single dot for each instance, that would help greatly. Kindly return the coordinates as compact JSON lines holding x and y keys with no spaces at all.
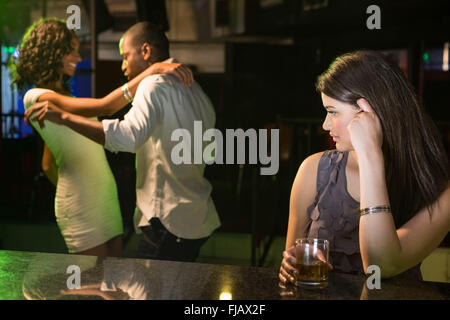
{"x":335,"y":216}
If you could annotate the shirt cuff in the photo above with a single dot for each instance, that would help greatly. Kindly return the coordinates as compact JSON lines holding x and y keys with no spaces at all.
{"x":109,"y":126}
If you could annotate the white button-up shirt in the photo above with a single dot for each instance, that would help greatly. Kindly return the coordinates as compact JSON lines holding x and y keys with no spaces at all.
{"x":179,"y":195}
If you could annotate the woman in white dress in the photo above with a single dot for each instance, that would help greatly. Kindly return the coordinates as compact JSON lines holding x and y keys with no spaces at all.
{"x":86,"y":204}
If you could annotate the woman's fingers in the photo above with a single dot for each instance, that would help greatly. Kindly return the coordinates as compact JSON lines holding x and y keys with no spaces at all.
{"x":32,"y":109}
{"x":179,"y":74}
{"x":364,"y":105}
{"x":43,"y":111}
{"x":290,"y":269}
{"x":287,"y":255}
{"x":186,"y":74}
{"x":40,"y":116}
{"x":190,"y":75}
{"x":285,"y":276}
{"x":315,"y":255}
{"x":287,"y":269}
{"x":321,"y":257}
{"x":183,"y":75}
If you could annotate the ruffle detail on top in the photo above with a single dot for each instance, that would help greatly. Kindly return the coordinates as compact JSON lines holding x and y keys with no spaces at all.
{"x":335,"y":215}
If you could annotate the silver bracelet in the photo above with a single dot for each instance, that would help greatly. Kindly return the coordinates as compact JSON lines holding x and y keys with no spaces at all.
{"x":126,"y":93}
{"x":374,"y":209}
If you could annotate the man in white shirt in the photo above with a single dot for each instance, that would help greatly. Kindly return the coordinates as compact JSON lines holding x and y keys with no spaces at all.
{"x":174,"y":210}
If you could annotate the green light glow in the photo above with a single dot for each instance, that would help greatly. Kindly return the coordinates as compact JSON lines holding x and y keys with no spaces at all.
{"x":10,"y":277}
{"x":426,"y":57}
{"x":9,"y":49}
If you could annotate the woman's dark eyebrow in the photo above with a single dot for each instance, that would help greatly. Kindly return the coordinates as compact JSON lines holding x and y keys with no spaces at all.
{"x":329,"y":107}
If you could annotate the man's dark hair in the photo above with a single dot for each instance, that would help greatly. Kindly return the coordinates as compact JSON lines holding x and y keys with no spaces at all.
{"x":146,"y":32}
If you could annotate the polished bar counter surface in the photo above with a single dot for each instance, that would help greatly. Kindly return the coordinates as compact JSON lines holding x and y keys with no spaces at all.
{"x":35,"y":275}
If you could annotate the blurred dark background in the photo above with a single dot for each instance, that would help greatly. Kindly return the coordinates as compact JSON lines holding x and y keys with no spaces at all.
{"x":257,"y":60}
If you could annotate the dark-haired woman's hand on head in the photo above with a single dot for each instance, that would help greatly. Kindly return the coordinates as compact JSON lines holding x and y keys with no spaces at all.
{"x":365,"y":129}
{"x":183,"y":73}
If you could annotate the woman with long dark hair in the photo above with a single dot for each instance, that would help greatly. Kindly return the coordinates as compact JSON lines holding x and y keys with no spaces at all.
{"x":86,"y":204}
{"x":383,"y":196}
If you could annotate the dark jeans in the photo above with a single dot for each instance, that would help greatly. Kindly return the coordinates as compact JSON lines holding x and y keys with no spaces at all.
{"x":158,"y":243}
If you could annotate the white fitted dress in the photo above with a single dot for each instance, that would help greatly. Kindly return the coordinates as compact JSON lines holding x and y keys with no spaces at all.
{"x":87,"y":207}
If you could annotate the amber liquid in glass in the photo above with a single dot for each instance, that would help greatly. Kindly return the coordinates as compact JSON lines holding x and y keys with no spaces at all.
{"x":313,"y":274}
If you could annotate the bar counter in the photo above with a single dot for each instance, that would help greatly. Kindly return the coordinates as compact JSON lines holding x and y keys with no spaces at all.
{"x":35,"y":275}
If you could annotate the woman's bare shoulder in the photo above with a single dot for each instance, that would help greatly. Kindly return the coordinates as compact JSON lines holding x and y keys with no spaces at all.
{"x":310,"y":164}
{"x":305,"y":181}
{"x":444,"y":202}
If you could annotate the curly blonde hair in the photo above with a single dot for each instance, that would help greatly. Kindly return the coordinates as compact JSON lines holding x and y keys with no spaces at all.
{"x":43,"y":46}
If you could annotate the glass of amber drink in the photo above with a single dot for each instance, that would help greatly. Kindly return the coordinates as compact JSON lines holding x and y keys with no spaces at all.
{"x":312,"y":262}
